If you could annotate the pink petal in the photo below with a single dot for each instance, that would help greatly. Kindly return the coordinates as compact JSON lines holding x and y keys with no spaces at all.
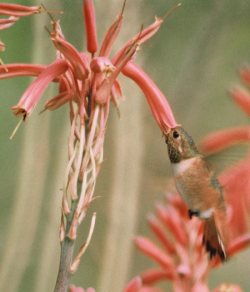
{"x":155,"y":253}
{"x":57,"y":101}
{"x":242,"y":98}
{"x":159,"y":106}
{"x":225,"y":138}
{"x":141,"y":37}
{"x":104,"y":91}
{"x":7,"y":22}
{"x":15,"y":70}
{"x":18,"y":10}
{"x":155,"y":275}
{"x":73,"y":288}
{"x":134,"y":285}
{"x":171,"y":219}
{"x":156,"y":227}
{"x":238,"y":244}
{"x":150,"y":289}
{"x":79,"y":64}
{"x":200,"y":287}
{"x":90,"y":25}
{"x":110,"y":36}
{"x":33,"y":93}
{"x":102,"y":65}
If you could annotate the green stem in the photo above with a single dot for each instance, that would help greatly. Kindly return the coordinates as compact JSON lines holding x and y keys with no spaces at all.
{"x":67,"y":249}
{"x":63,"y":277}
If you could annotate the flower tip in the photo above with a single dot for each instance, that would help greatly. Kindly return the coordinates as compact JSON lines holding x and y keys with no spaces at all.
{"x":134,"y":285}
{"x":90,"y":24}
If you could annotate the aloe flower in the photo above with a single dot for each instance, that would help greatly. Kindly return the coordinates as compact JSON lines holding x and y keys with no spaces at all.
{"x":181,"y":257}
{"x":14,"y":12}
{"x":87,"y":83}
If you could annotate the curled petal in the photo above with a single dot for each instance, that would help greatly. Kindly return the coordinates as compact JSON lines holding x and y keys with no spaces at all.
{"x":18,"y":9}
{"x":33,"y":93}
{"x":157,"y":101}
{"x":90,"y":25}
{"x":155,"y":253}
{"x":225,"y":138}
{"x":134,"y":285}
{"x":7,"y":22}
{"x":242,"y":98}
{"x":15,"y":70}
{"x":141,"y":37}
{"x":79,"y":64}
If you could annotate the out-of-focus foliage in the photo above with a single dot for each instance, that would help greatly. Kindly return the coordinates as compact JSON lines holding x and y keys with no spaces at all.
{"x":194,"y":59}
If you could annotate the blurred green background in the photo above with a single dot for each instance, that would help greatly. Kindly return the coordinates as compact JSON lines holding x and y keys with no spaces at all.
{"x":194,"y":59}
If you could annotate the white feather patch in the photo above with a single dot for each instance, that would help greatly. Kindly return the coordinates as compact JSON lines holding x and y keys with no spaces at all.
{"x":182,"y":166}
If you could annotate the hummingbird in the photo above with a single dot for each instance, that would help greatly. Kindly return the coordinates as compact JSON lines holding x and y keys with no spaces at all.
{"x":199,"y":188}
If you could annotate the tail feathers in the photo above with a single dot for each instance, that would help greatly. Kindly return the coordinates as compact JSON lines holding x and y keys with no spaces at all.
{"x":213,"y":241}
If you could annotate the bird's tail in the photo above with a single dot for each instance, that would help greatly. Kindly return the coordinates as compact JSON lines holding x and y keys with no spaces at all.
{"x":215,"y":239}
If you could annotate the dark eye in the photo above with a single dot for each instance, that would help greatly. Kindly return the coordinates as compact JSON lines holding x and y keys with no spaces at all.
{"x":176,"y":135}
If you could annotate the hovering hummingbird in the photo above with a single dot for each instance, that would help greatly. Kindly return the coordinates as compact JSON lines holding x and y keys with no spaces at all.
{"x":199,"y":188}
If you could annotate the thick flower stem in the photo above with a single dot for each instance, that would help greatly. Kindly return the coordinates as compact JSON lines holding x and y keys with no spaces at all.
{"x":67,"y":249}
{"x":64,"y":274}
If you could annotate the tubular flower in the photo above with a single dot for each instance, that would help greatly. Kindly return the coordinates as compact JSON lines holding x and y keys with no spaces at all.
{"x":156,"y":100}
{"x":33,"y":93}
{"x":18,"y":10}
{"x":14,"y":11}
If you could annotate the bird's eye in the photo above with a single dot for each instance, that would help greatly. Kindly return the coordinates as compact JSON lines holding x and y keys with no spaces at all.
{"x":176,"y":135}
